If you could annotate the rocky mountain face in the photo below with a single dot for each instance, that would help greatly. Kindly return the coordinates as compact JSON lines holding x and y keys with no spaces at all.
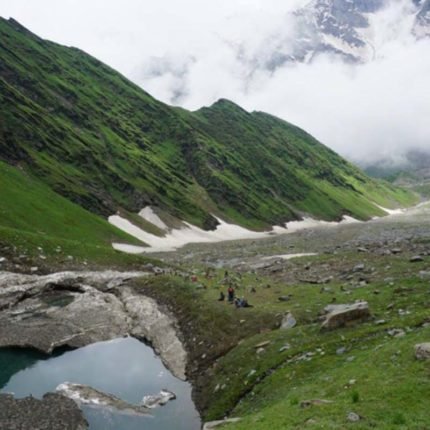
{"x":344,"y":28}
{"x":422,"y":23}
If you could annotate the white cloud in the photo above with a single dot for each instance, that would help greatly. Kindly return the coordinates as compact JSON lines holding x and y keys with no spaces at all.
{"x":193,"y":52}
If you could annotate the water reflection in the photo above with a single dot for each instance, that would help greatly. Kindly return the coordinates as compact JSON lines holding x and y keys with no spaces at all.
{"x":124,"y":367}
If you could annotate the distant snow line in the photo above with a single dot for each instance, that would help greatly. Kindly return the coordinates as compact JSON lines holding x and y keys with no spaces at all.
{"x":177,"y":238}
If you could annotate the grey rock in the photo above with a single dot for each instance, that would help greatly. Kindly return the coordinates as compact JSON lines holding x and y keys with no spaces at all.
{"x":286,"y":347}
{"x":416,"y":259}
{"x":396,"y":332}
{"x":288,"y":321}
{"x":341,"y":350}
{"x":160,"y":399}
{"x":422,"y":351}
{"x":52,"y":412}
{"x":342,"y":315}
{"x":425,"y":275}
{"x":358,"y":267}
{"x":353,"y":417}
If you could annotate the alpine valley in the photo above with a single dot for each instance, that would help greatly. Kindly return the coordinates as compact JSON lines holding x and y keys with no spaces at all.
{"x":328,"y":326}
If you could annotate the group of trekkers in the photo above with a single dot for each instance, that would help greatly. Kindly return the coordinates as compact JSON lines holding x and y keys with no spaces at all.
{"x":239,"y":302}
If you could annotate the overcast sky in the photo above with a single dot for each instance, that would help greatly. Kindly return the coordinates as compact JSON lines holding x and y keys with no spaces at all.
{"x":192,"y":52}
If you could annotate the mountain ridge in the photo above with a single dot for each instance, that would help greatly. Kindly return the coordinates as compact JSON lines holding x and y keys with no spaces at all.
{"x":99,"y":140}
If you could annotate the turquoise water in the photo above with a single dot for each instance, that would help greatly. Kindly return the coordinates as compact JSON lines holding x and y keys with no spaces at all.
{"x":124,"y":367}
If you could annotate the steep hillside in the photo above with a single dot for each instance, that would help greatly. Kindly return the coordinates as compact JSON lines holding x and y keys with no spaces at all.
{"x":107,"y":145}
{"x":37,"y":222}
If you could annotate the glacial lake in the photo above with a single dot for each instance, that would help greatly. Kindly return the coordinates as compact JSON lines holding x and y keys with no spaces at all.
{"x":125,"y":367}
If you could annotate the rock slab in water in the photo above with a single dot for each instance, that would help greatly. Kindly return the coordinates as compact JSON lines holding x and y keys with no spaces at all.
{"x":83,"y":394}
{"x":160,"y":399}
{"x":53,"y":412}
{"x":342,"y":315}
{"x":422,"y":351}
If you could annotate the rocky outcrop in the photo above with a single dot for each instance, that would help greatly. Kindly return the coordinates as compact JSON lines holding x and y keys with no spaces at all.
{"x":52,"y":412}
{"x":158,"y":327}
{"x":342,"y":315}
{"x":79,"y":308}
{"x":83,"y":394}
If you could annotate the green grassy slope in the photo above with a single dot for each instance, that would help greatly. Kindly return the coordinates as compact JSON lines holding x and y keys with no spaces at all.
{"x":32,"y":216}
{"x":105,"y":144}
{"x":360,"y":368}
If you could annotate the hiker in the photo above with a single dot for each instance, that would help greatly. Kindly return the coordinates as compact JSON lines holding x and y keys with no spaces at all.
{"x":230,"y":293}
{"x":241,"y":303}
{"x":221,"y":297}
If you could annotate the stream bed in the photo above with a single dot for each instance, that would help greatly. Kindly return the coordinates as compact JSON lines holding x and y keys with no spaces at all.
{"x":124,"y":367}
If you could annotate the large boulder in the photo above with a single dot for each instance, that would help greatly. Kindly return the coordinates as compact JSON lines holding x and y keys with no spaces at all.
{"x":343,"y":315}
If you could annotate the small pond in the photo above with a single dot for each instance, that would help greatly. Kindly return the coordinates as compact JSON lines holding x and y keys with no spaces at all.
{"x":123,"y":367}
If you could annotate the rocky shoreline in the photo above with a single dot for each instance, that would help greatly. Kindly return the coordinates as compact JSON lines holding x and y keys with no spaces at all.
{"x":53,"y":412}
{"x":75,"y":309}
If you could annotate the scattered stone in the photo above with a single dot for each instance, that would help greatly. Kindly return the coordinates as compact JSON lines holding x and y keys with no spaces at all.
{"x":260,"y":351}
{"x":350,"y":359}
{"x":422,"y":351}
{"x":362,"y":250}
{"x":396,"y":332}
{"x":314,"y":402}
{"x":390,"y":306}
{"x":416,"y":259}
{"x":380,"y":322}
{"x":284,"y":298}
{"x":358,"y":268}
{"x":262,"y":344}
{"x":288,"y":321}
{"x":353,"y":417}
{"x":52,"y":412}
{"x":341,"y":351}
{"x":342,"y":315}
{"x":212,"y":424}
{"x":160,"y":399}
{"x":326,"y":280}
{"x":286,"y":347}
{"x":425,"y":275}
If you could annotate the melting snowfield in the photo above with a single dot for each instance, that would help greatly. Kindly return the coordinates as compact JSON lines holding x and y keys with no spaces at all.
{"x":177,"y":237}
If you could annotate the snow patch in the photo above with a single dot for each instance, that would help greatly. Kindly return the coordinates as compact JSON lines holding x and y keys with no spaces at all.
{"x":149,"y":215}
{"x":176,"y":238}
{"x":289,"y":256}
{"x":391,"y":211}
